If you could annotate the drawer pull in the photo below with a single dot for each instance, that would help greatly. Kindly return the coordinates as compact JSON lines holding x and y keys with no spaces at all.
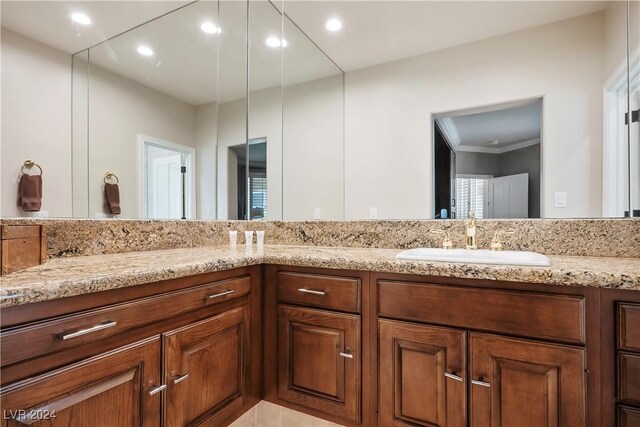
{"x":179,"y":378}
{"x":221,"y":294}
{"x":482,"y":383}
{"x":101,"y":326}
{"x":346,"y":355}
{"x":453,"y":376}
{"x":157,"y":389}
{"x":311,"y":291}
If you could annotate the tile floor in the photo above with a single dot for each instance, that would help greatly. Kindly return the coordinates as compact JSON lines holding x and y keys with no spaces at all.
{"x":266,"y":414}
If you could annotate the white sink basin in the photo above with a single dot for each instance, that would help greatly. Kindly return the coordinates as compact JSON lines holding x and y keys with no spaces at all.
{"x":479,"y":256}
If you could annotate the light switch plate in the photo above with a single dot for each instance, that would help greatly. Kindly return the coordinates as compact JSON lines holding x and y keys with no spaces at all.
{"x":316,"y":213}
{"x":560,"y":199}
{"x":373,"y":213}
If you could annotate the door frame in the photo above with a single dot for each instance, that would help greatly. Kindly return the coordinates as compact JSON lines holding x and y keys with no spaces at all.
{"x":613,"y":159}
{"x":189,"y":152}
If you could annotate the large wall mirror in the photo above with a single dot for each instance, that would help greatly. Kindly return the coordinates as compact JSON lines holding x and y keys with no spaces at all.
{"x":303,"y":110}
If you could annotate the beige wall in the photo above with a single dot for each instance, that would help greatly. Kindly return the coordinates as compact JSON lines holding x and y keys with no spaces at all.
{"x":119,"y":110}
{"x":615,"y":34}
{"x":388,"y":115}
{"x":265,"y":121}
{"x":36,"y":121}
{"x":313,"y":160}
{"x":309,"y":118}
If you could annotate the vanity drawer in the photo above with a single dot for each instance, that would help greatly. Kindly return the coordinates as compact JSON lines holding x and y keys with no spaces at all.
{"x":529,"y":314}
{"x":316,"y":290}
{"x":65,"y":332}
{"x":628,"y":325}
{"x":629,"y":378}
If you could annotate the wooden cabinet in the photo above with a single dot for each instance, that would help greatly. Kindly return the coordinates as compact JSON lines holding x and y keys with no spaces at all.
{"x":422,"y":376}
{"x":319,"y":360}
{"x":627,"y":354}
{"x":517,"y":382}
{"x":206,"y":369}
{"x":111,"y":389}
{"x":425,"y":380}
{"x":199,"y":365}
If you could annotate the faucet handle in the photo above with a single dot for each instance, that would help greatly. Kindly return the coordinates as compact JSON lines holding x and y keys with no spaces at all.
{"x":496,"y":243}
{"x":446,"y":243}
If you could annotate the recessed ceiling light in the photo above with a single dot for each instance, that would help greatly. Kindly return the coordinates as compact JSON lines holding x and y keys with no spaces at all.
{"x":80,"y":18}
{"x":145,"y":50}
{"x":333,"y":24}
{"x":276,"y":42}
{"x":210,"y":28}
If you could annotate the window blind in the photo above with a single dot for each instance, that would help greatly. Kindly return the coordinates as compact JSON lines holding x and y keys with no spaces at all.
{"x":258,"y":189}
{"x":470,"y":196}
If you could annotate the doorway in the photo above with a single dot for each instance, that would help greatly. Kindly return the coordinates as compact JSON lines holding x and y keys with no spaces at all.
{"x":247,"y":180}
{"x":167,"y":179}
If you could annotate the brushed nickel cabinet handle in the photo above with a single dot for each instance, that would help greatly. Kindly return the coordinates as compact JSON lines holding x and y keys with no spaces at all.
{"x":101,"y":326}
{"x":482,"y":383}
{"x":157,"y":389}
{"x":311,"y":291}
{"x":453,"y":376}
{"x":346,"y":355}
{"x":221,"y":294}
{"x":179,"y":378}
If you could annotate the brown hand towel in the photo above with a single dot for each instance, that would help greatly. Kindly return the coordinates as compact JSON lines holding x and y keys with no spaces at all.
{"x":112,"y":196}
{"x":30,"y":192}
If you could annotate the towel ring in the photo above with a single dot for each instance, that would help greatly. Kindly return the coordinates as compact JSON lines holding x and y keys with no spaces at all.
{"x":30,"y":164}
{"x":110,"y":175}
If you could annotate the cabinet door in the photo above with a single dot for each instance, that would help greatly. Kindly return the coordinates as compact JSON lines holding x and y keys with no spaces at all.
{"x":319,"y":360}
{"x":111,"y":389}
{"x":206,"y":369}
{"x":525,"y":383}
{"x":422,"y":375}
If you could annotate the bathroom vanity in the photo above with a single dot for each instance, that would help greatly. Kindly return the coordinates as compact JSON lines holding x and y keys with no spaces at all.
{"x":350,"y":335}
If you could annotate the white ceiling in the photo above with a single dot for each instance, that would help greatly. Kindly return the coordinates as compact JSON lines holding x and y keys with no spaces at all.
{"x":49,"y":22}
{"x":497,"y":129}
{"x":375,"y":32}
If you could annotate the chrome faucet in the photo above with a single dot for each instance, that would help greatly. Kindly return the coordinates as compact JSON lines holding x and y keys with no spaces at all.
{"x":471,"y":232}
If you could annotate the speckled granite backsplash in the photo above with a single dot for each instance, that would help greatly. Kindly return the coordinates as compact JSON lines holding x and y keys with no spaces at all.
{"x":585,"y":237}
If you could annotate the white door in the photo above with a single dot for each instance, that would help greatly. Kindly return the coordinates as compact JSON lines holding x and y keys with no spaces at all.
{"x":509,"y":196}
{"x":164,"y":195}
{"x":167,"y":179}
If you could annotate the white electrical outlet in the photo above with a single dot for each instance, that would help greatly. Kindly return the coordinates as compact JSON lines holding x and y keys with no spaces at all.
{"x":373,"y":213}
{"x":316,"y":213}
{"x":560,"y":199}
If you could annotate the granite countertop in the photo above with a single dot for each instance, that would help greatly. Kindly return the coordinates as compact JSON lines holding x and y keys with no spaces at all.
{"x":64,"y":277}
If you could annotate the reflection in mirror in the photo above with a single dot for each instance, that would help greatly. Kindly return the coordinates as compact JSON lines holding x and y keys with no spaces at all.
{"x":150,"y":117}
{"x":232,"y":110}
{"x":633,"y":136}
{"x":313,"y":130}
{"x":487,"y":161}
{"x":242,"y":110}
{"x":265,"y":111}
{"x":80,"y":133}
{"x":407,"y":62}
